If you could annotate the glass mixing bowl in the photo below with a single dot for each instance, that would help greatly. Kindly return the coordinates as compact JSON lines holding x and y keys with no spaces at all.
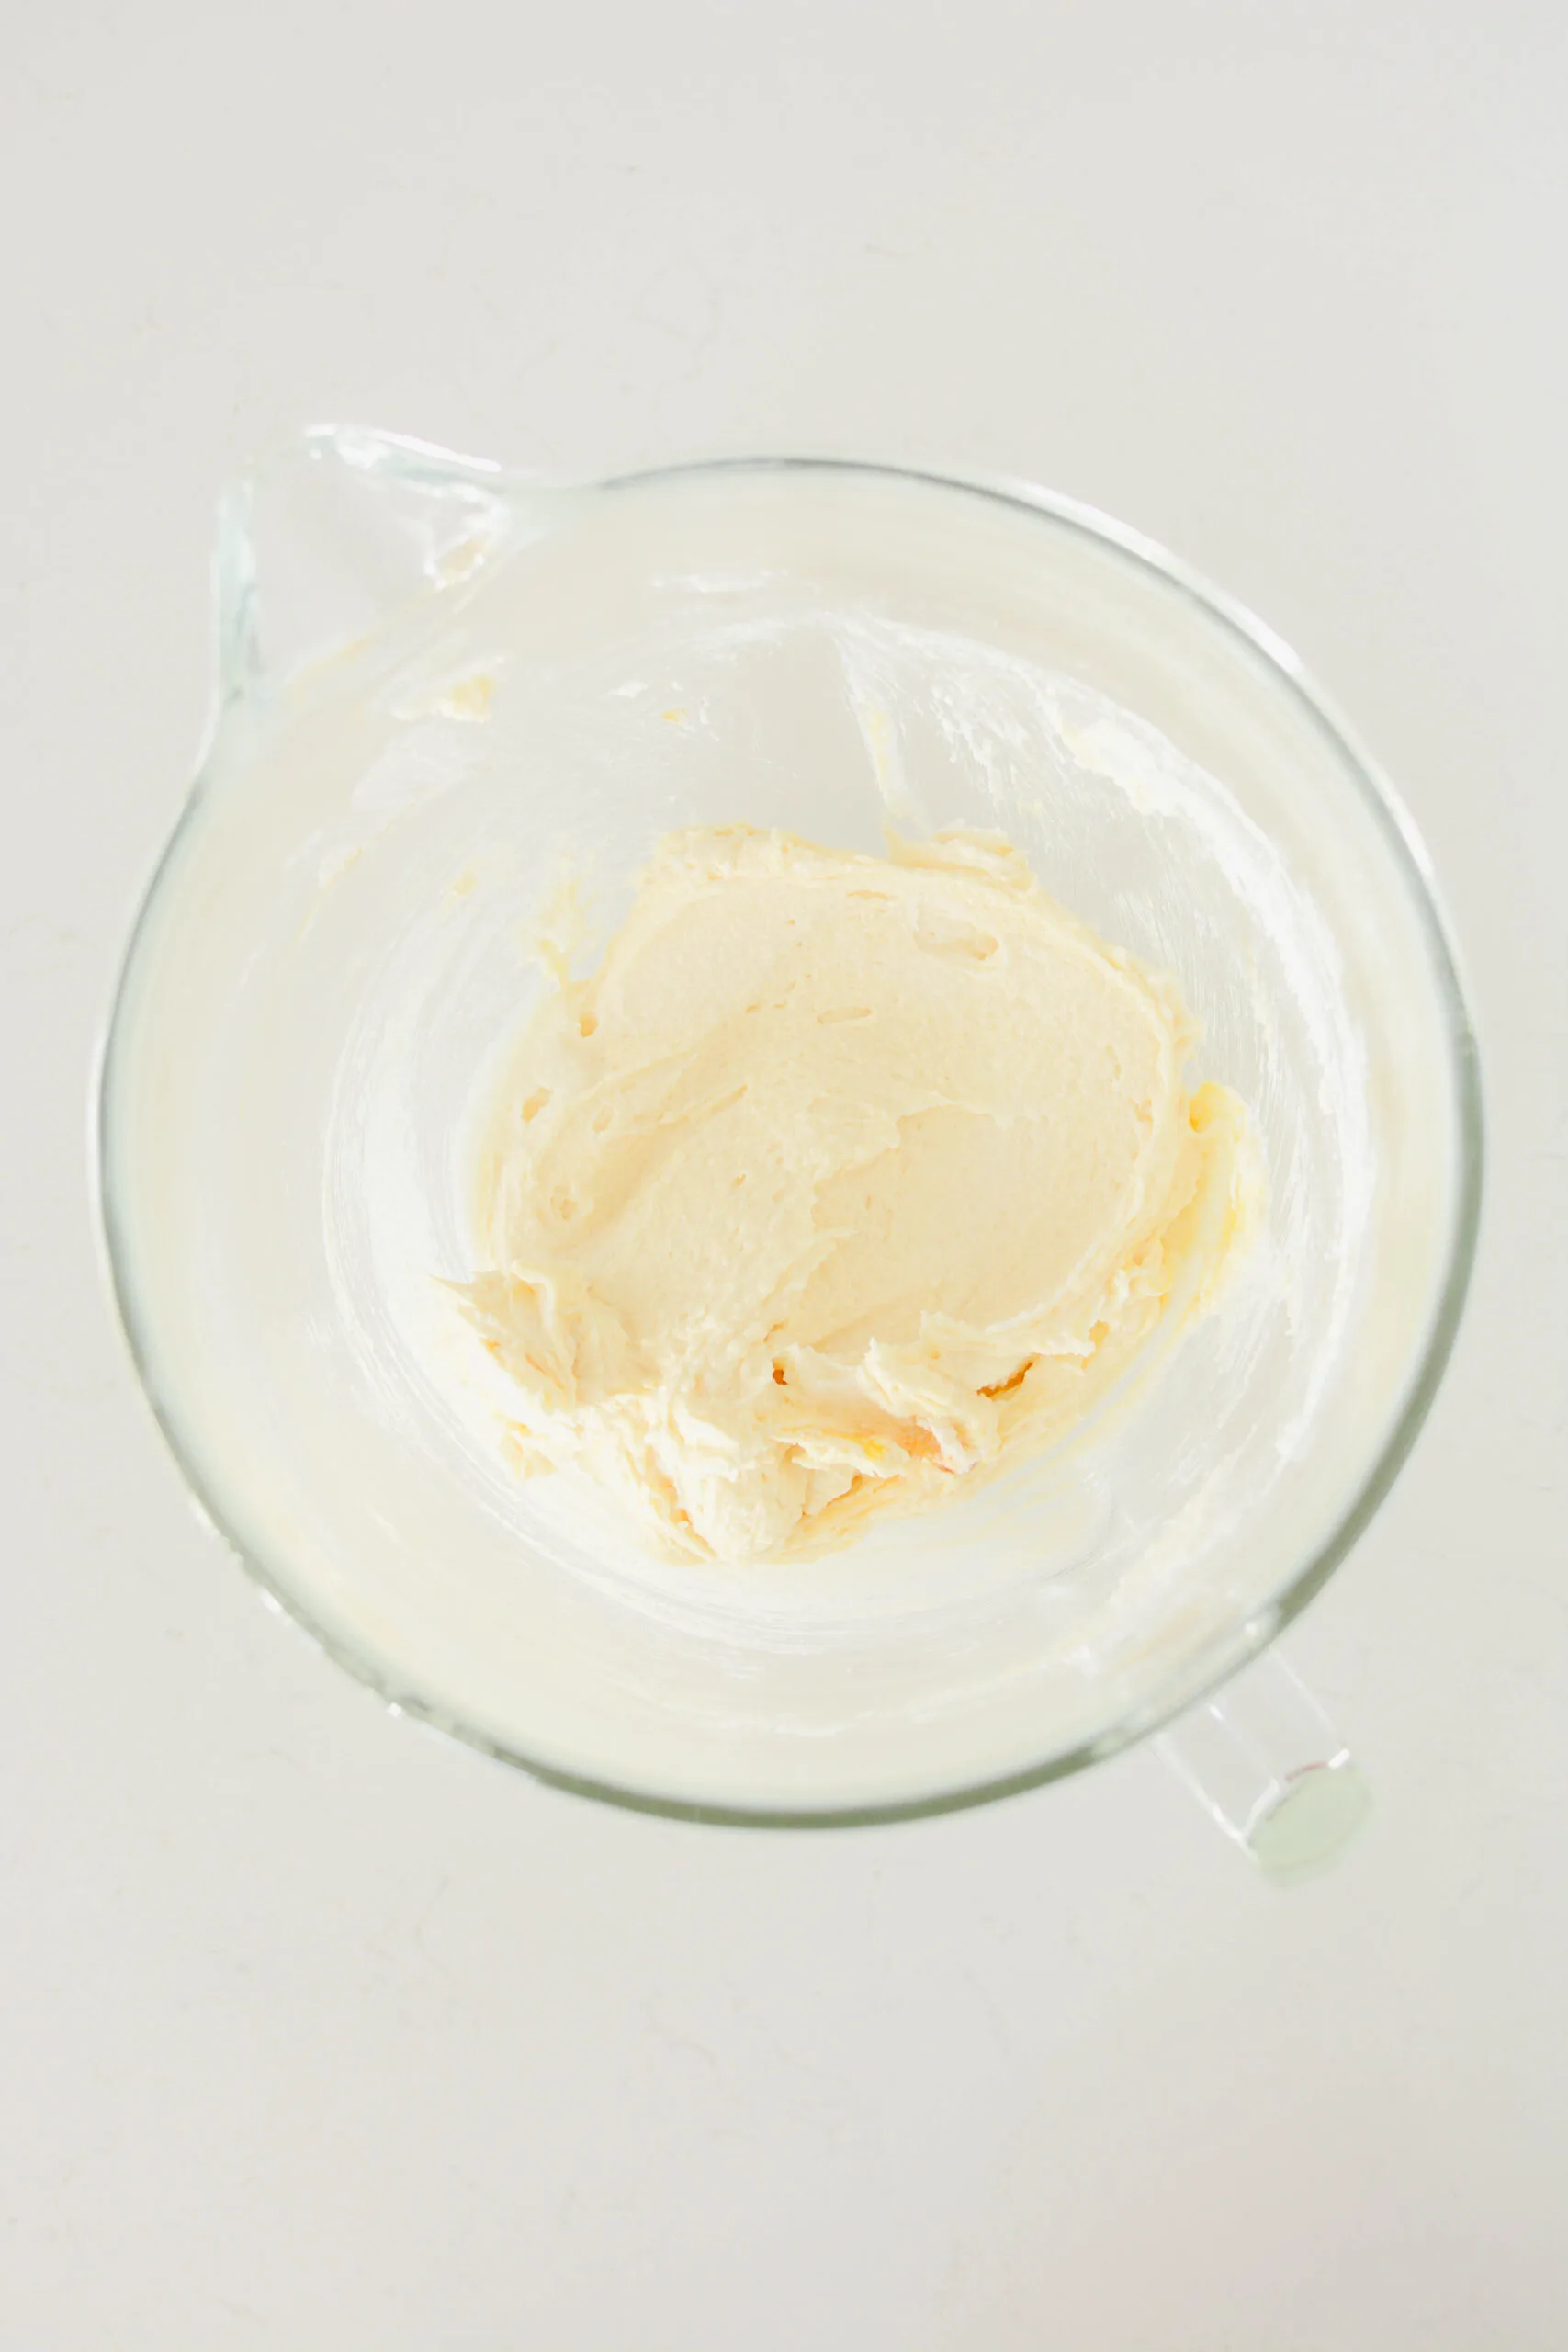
{"x":444,"y":689}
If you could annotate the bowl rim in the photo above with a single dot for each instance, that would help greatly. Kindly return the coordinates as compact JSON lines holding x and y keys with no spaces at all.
{"x":421,"y":460}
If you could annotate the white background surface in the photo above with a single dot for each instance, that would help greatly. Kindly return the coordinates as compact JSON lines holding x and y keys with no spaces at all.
{"x":319,"y":2033}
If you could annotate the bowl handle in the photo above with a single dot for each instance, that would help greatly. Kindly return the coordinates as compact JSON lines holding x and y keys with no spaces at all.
{"x":342,"y":538}
{"x":1265,"y":1762}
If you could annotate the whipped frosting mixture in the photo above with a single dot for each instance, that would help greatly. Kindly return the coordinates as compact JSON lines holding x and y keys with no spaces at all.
{"x":842,"y":1182}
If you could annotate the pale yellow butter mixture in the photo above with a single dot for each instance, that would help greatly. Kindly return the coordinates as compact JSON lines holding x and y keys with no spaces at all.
{"x":843,"y":1180}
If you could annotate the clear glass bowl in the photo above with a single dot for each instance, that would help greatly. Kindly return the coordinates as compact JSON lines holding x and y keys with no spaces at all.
{"x":443,"y":687}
